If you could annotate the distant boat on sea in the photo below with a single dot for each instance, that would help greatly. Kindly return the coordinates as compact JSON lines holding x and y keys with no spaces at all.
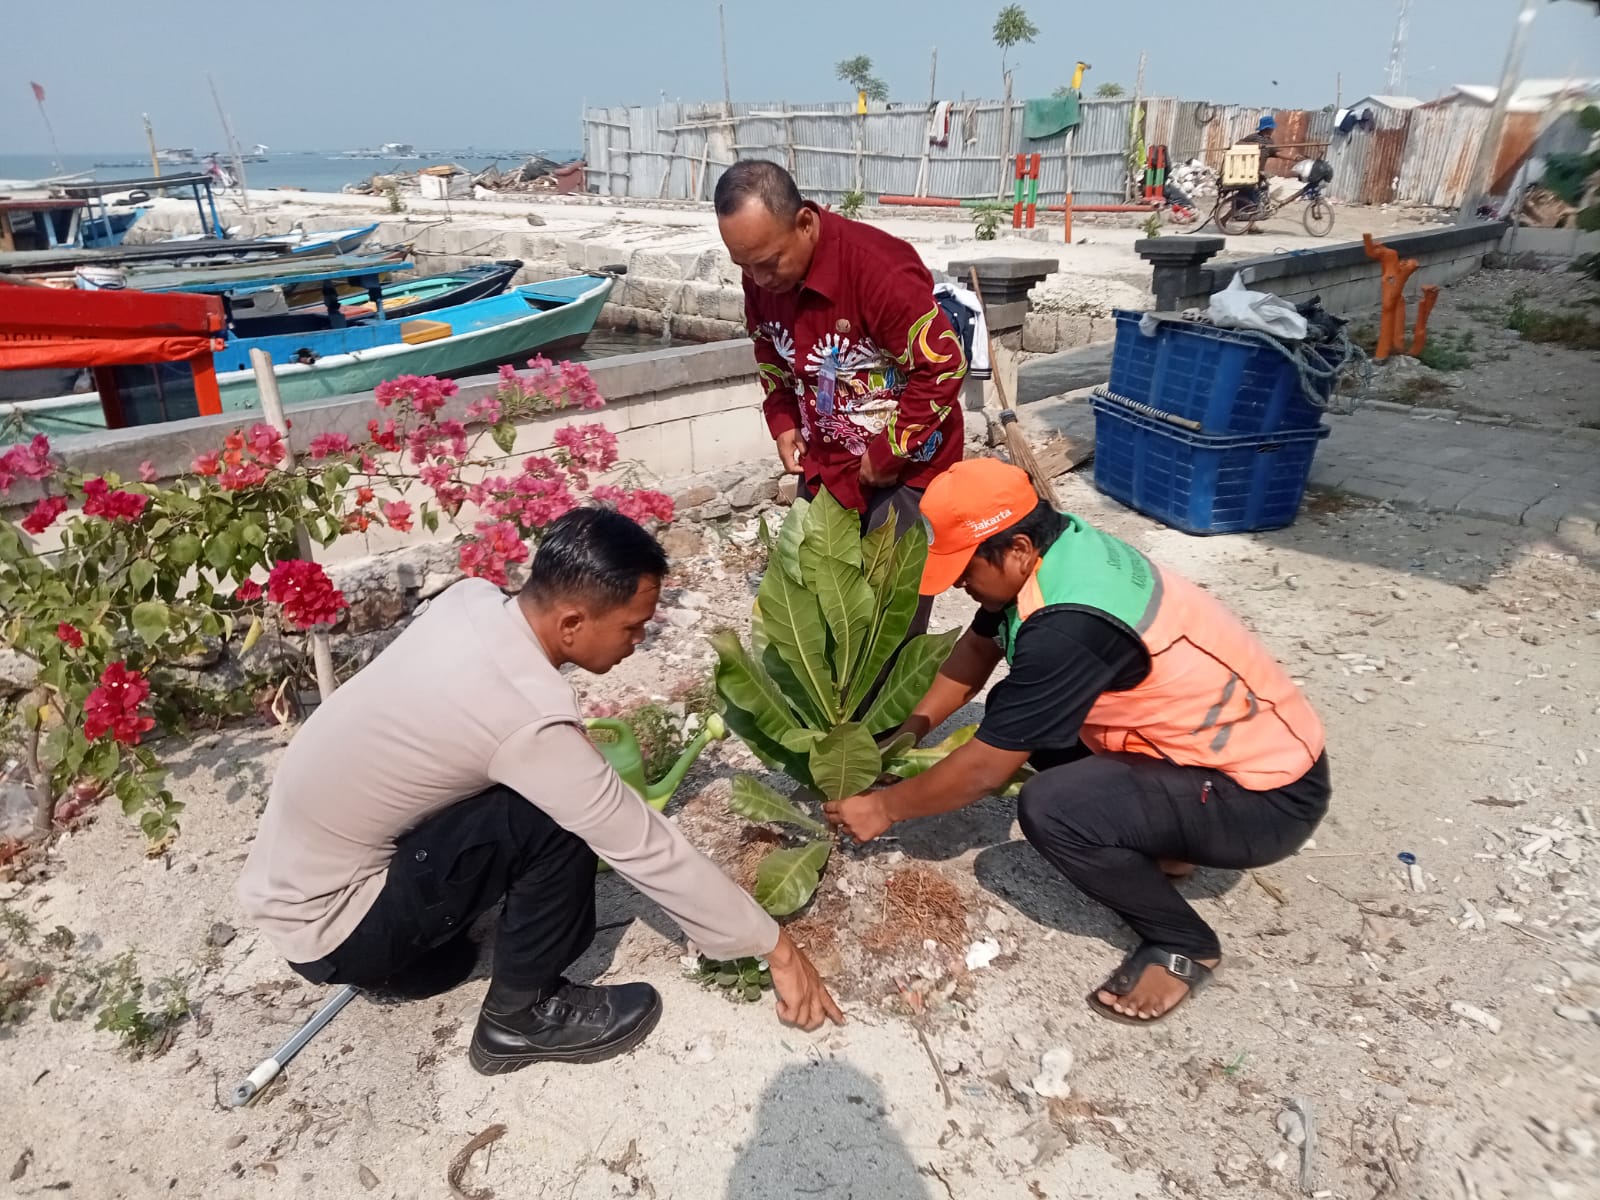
{"x":387,"y":150}
{"x":180,"y":157}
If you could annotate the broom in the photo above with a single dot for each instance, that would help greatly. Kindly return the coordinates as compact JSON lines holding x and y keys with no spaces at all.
{"x":1016,"y":441}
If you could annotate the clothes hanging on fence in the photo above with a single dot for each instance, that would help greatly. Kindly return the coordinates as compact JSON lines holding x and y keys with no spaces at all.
{"x":965,"y":313}
{"x":1046,"y":118}
{"x":969,"y":125}
{"x":939,"y":124}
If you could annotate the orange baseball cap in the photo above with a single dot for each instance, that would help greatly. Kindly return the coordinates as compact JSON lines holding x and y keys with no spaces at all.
{"x":966,"y":505}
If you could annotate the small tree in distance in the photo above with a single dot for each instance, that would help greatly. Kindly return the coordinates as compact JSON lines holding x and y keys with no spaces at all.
{"x":1108,"y":91}
{"x":1011,"y":28}
{"x":857,"y":72}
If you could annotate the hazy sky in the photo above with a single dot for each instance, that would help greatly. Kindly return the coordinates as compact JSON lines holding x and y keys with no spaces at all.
{"x":497,"y":73}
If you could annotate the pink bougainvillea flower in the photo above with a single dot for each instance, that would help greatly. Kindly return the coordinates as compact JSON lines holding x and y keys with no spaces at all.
{"x":208,"y":464}
{"x":100,"y":500}
{"x":639,"y":505}
{"x":247,"y":591}
{"x":487,"y":409}
{"x":70,"y":634}
{"x":305,"y":593}
{"x":398,"y":514}
{"x":148,"y":472}
{"x":267,"y":443}
{"x":591,"y":447}
{"x":113,"y":707}
{"x":44,"y":514}
{"x":326,"y":445}
{"x":496,"y":546}
{"x":30,"y":461}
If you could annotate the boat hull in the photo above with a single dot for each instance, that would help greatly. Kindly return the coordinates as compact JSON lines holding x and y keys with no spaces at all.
{"x":565,"y":326}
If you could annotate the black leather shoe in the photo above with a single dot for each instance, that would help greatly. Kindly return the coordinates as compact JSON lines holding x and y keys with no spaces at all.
{"x":574,"y":1023}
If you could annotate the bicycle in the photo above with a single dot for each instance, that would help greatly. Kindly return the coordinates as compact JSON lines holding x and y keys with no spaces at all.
{"x":1236,"y":209}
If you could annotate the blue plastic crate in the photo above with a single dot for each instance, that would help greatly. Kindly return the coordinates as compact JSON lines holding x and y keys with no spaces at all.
{"x":1201,"y":484}
{"x":1231,"y":382}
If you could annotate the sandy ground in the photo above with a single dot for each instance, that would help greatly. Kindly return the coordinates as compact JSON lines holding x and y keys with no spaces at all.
{"x":1499,"y":373}
{"x":1455,"y":665}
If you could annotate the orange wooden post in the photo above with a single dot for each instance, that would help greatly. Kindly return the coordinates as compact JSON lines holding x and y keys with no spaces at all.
{"x":1033,"y":189}
{"x":1389,"y":258}
{"x":1019,"y":170}
{"x":1397,"y":331}
{"x":1419,"y":335}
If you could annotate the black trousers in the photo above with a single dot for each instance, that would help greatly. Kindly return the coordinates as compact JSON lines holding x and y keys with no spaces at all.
{"x":1104,"y":819}
{"x":457,"y":865}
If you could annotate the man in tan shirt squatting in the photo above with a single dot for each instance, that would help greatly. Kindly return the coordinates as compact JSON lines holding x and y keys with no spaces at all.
{"x":453,"y":773}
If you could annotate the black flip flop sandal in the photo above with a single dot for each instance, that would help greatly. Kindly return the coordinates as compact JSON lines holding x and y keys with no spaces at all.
{"x":1127,"y":975}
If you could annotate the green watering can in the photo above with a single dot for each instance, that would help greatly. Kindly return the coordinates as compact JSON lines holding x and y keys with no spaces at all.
{"x":627,"y":760}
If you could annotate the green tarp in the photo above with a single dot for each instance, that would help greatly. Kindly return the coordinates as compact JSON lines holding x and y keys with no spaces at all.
{"x":1046,"y":118}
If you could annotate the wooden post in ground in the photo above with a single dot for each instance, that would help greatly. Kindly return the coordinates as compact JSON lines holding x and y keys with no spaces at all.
{"x":272,"y":409}
{"x":1419,"y":334}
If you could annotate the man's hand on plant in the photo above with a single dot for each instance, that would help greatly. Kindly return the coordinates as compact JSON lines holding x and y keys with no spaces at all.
{"x":803,"y":998}
{"x":872,"y":477}
{"x":863,"y":817}
{"x":791,"y":450}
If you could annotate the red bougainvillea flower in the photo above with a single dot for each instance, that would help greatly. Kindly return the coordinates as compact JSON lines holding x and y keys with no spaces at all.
{"x":356,"y":522}
{"x":70,"y":634}
{"x":113,"y":707}
{"x":398,"y":514}
{"x":100,"y":500}
{"x":305,"y":592}
{"x":496,"y":547}
{"x":364,"y":495}
{"x":148,"y":472}
{"x":267,"y":443}
{"x":326,"y":445}
{"x":31,"y":461}
{"x":386,"y":437}
{"x":247,"y":591}
{"x":208,"y":464}
{"x":44,"y":514}
{"x":243,"y":475}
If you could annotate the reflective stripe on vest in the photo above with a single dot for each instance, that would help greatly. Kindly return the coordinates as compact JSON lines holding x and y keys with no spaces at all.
{"x":1215,"y":697}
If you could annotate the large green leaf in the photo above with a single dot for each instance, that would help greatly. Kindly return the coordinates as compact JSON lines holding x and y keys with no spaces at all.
{"x":897,"y":605}
{"x":755,"y":801}
{"x":915,"y":762}
{"x":877,"y":555}
{"x":787,"y":551}
{"x":909,"y":679}
{"x":744,"y":685}
{"x":151,"y":620}
{"x":744,"y":721}
{"x":795,"y":629}
{"x":831,"y":530}
{"x":845,"y":762}
{"x":140,"y":574}
{"x":805,"y":708}
{"x":787,"y":878}
{"x":847,"y":605}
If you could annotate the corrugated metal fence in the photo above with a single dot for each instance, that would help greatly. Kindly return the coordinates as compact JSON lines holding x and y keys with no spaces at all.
{"x":678,"y":151}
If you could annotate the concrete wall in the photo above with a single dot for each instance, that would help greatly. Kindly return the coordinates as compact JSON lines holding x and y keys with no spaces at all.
{"x":1349,"y":282}
{"x":675,"y":412}
{"x":1562,"y":244}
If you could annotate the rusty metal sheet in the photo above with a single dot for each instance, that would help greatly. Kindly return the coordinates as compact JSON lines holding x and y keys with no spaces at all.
{"x":1516,"y":142}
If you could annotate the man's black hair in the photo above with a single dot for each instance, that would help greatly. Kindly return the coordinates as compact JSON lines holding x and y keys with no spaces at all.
{"x":596,"y":556}
{"x":1041,"y":527}
{"x":763,"y":180}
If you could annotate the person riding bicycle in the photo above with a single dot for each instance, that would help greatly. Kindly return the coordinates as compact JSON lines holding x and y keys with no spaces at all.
{"x":1257,"y":197}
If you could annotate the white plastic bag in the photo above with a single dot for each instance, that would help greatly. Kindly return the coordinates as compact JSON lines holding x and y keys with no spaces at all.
{"x":1236,"y":307}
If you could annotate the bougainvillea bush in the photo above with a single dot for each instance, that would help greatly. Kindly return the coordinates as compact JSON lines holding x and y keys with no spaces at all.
{"x":111,"y":585}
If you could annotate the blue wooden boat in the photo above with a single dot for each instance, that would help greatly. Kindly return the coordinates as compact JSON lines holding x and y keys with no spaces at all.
{"x":449,"y":342}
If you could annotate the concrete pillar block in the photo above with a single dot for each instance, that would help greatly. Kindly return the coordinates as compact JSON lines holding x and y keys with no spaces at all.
{"x":655,"y":264}
{"x":574,"y":251}
{"x":1073,"y":330}
{"x":1039,"y":332}
{"x":730,"y":305}
{"x":1102,"y":329}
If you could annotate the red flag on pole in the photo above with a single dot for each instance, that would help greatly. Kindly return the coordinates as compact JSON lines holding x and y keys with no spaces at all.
{"x":38,"y":93}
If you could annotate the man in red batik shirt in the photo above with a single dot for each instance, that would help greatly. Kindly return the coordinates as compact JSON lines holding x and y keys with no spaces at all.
{"x":861,"y":368}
